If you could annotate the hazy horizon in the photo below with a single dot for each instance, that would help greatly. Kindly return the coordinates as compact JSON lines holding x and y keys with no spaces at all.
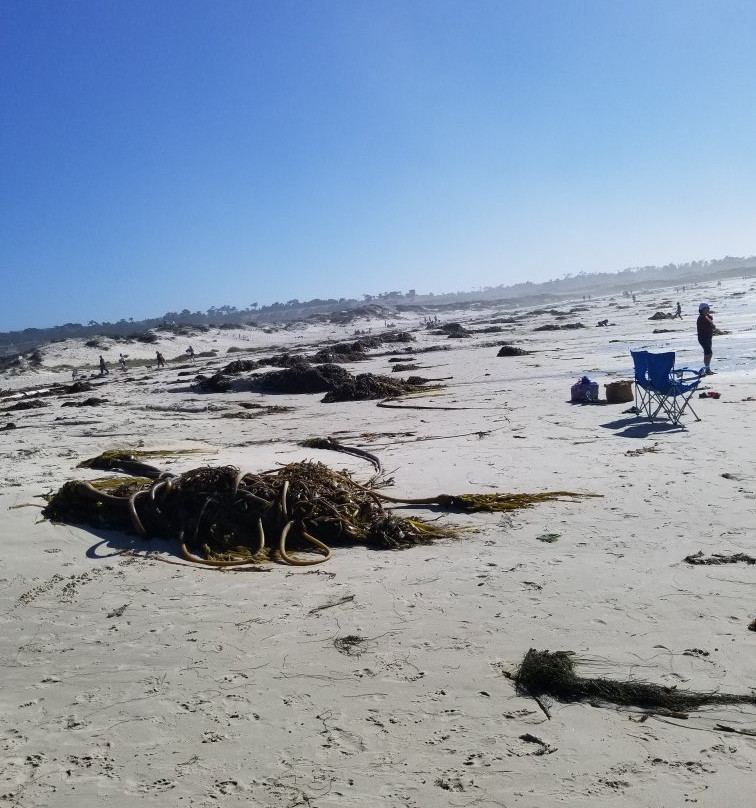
{"x":586,"y":287}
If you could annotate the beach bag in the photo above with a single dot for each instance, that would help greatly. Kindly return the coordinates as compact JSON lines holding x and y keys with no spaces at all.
{"x":584,"y":390}
{"x":619,"y":392}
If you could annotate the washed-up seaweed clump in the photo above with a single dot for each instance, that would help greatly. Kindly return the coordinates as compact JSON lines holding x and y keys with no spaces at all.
{"x":367,"y":386}
{"x":346,"y":351}
{"x":555,"y":327}
{"x":333,"y":380}
{"x":240,"y":366}
{"x":719,"y":558}
{"x":26,"y":404}
{"x":217,"y":383}
{"x":452,"y":331}
{"x":340,"y":354}
{"x":252,"y":411}
{"x":301,"y":379}
{"x":285,"y":360}
{"x":396,"y":336}
{"x":511,"y":350}
{"x":92,"y":401}
{"x":220,"y":383}
{"x":552,"y":673}
{"x":79,"y":386}
{"x":224,"y":517}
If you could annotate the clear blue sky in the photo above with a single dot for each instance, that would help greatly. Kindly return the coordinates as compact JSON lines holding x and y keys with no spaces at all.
{"x":157,"y":155}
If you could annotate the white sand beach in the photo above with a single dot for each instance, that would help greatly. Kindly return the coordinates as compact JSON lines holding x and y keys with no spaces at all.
{"x":380,"y":678}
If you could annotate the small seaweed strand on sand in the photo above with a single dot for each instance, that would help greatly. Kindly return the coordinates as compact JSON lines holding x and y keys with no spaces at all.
{"x":336,"y":446}
{"x":131,"y":461}
{"x":552,"y":673}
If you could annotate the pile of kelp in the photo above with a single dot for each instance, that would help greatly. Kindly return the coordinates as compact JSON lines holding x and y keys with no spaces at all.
{"x":226,"y":517}
{"x":369,"y":386}
{"x":298,"y":377}
{"x":336,"y":382}
{"x":698,"y":558}
{"x":512,"y":350}
{"x":552,"y":673}
{"x":346,"y":351}
{"x":221,"y":382}
{"x":555,"y":327}
{"x":452,"y":331}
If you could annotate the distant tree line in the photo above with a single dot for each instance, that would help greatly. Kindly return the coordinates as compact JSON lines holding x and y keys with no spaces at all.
{"x":630,"y":279}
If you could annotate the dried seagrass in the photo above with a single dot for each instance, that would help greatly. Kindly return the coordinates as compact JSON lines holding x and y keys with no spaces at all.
{"x":552,"y":673}
{"x":226,"y":517}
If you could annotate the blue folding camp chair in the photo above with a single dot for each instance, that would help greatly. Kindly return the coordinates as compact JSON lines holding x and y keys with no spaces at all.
{"x":642,"y":394}
{"x":670,"y":389}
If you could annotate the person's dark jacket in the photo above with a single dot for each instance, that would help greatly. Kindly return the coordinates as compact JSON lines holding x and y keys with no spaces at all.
{"x":705,"y":326}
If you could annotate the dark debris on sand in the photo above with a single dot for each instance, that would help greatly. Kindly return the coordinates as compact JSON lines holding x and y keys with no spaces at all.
{"x":333,"y":380}
{"x":26,"y":404}
{"x":555,"y":327}
{"x":511,"y":350}
{"x":552,"y":673}
{"x":719,"y":558}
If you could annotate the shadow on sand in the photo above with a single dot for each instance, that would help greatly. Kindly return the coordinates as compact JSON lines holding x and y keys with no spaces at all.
{"x":635,"y":428}
{"x":112,"y":544}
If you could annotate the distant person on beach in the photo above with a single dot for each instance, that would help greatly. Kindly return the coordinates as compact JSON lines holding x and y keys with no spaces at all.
{"x":705,"y":327}
{"x":122,"y":362}
{"x":160,"y":359}
{"x":103,"y":367}
{"x":190,"y":353}
{"x":678,"y":312}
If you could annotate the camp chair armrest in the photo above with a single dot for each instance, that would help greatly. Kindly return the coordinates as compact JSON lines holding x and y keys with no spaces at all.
{"x":687,"y":374}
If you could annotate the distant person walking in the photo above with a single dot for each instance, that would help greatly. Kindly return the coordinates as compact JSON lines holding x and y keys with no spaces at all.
{"x":705,"y":327}
{"x":190,"y":353}
{"x":678,"y":312}
{"x":160,"y":359}
{"x":103,"y":367}
{"x":122,"y":362}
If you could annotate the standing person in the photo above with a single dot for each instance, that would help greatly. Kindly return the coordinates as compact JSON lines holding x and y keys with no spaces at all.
{"x":705,"y":327}
{"x":160,"y":359}
{"x":678,"y":313}
{"x":190,"y":353}
{"x":122,"y":362}
{"x":103,"y":367}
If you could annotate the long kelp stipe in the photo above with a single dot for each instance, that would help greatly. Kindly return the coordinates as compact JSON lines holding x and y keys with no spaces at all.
{"x":224,"y":517}
{"x":552,"y":673}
